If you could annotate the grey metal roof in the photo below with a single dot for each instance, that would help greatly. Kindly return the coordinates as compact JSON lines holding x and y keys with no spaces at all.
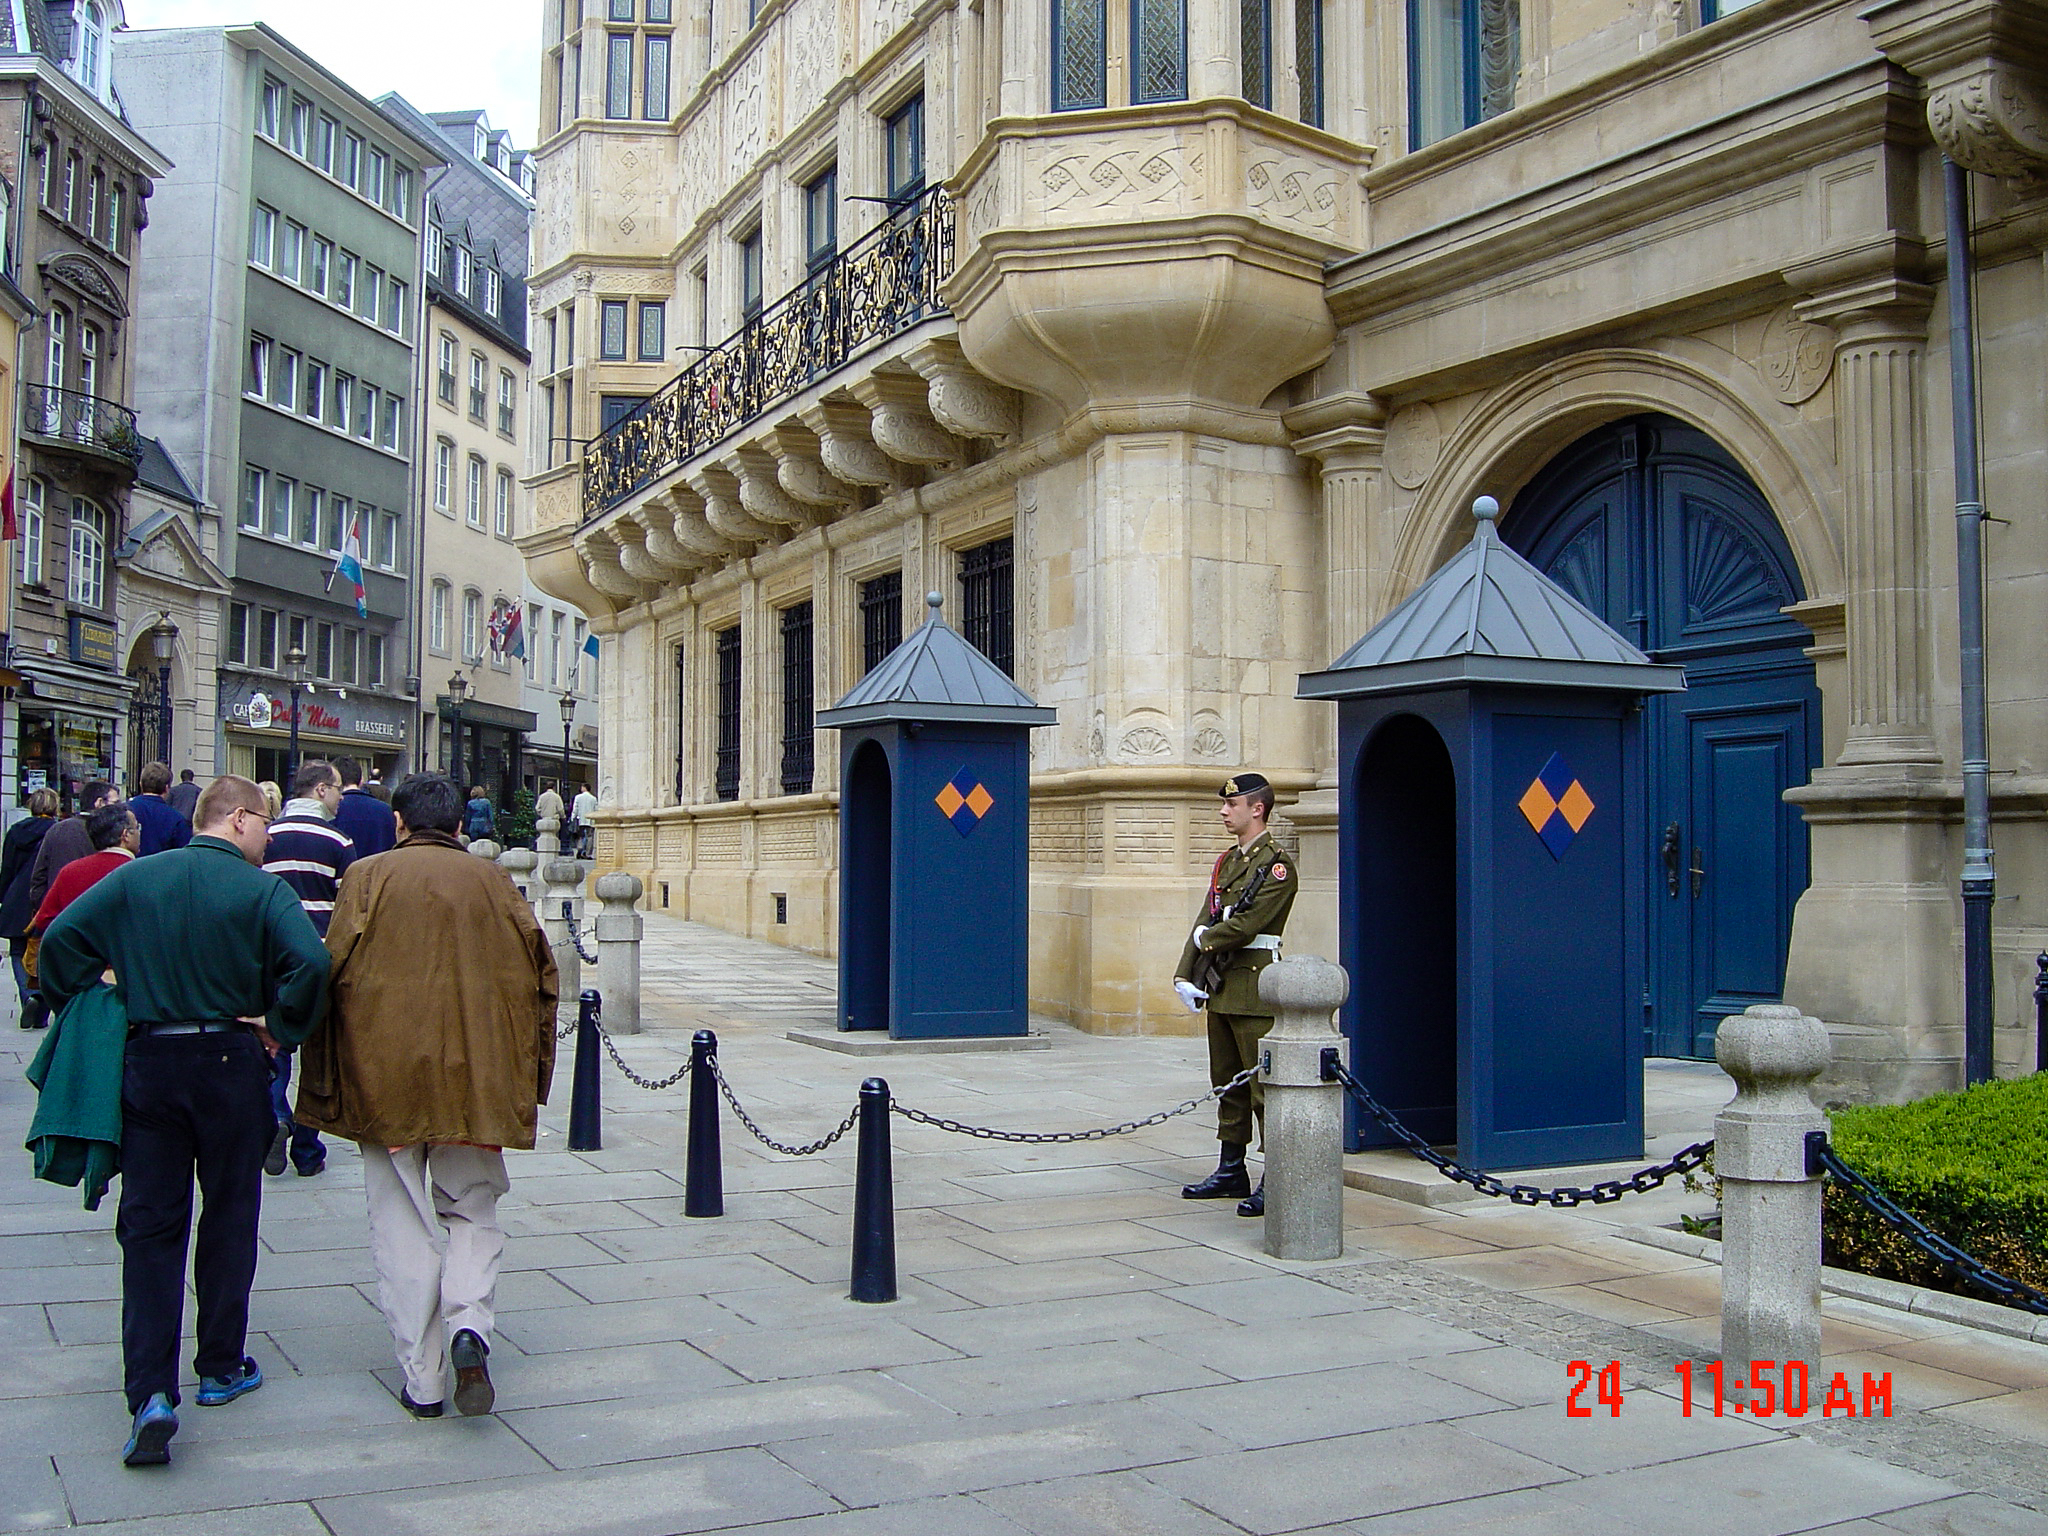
{"x":936,"y":675}
{"x":160,"y":472}
{"x":1489,"y":616}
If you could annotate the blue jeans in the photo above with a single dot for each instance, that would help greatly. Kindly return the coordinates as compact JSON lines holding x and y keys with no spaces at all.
{"x":307,"y":1147}
{"x":31,"y":999}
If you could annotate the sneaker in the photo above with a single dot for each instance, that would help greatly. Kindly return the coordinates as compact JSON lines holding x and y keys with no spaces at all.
{"x":473,"y":1391}
{"x":149,"y":1443}
{"x":215,"y":1390}
{"x":417,"y":1410}
{"x":280,"y":1148}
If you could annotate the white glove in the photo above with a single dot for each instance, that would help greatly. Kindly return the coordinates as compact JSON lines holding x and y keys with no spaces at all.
{"x":1197,"y":934}
{"x":1192,"y":995}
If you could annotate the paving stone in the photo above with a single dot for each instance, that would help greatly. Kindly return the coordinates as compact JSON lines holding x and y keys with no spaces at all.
{"x":676,"y":1277}
{"x":1512,"y":1375}
{"x":31,"y":1497}
{"x":827,"y":1302}
{"x":553,"y":1250}
{"x":1110,"y":1504}
{"x":643,"y":1184}
{"x":685,"y":1493}
{"x":83,"y":1322}
{"x":27,"y":1325}
{"x":620,"y":1322}
{"x":1056,"y":1377}
{"x":1649,"y":1429}
{"x":596,"y":1375}
{"x":1009,"y":1284}
{"x":1325,"y":1481}
{"x":856,"y":1344}
{"x":1013,"y":1215}
{"x":1787,"y":1485}
{"x":2021,"y":1415}
{"x":1268,"y":1299}
{"x":289,"y":1468}
{"x":606,"y":1433}
{"x":1535,"y":1266}
{"x":266,"y":1520}
{"x":289,"y":1271}
{"x":75,"y":1282}
{"x":878,"y":1466}
{"x":1083,"y":1320}
{"x":1970,"y":1515}
{"x":321,"y":1306}
{"x":919,"y":1256}
{"x":572,"y":1216}
{"x":1089,"y":1239}
{"x":41,"y":1372}
{"x":1280,"y":1410}
{"x":1527,"y":1512}
{"x":528,"y":1290}
{"x":1197,"y":1266}
{"x":701,"y":1238}
{"x":1352,"y":1338}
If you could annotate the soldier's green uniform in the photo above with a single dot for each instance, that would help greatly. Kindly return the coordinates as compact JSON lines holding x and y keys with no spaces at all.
{"x":1238,"y":942}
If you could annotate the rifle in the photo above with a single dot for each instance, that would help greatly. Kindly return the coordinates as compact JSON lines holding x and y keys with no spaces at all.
{"x":1209,"y":965}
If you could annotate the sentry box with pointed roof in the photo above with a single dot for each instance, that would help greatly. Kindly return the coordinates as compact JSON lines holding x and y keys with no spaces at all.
{"x":934,"y":849}
{"x":1493,"y":864}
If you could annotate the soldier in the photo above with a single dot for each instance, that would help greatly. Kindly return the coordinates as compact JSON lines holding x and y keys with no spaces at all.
{"x":1236,"y":936}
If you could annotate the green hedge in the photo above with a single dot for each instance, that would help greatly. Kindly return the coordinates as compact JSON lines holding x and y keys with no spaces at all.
{"x":1972,"y":1165}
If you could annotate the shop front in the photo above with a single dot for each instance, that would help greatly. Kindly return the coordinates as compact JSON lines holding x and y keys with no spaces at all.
{"x":257,"y":724}
{"x":484,"y":744}
{"x":69,"y":730}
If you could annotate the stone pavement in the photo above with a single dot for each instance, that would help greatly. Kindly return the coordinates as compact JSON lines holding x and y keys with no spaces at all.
{"x":1077,"y":1352}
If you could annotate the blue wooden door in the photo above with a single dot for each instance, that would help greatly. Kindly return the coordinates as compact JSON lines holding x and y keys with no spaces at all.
{"x":1651,"y":525}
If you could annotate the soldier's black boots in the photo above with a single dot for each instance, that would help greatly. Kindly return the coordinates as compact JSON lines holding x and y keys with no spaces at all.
{"x":1255,"y":1203}
{"x":1228,"y":1182}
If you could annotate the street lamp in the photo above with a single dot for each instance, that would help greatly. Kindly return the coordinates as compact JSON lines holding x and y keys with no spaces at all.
{"x":295,"y":676}
{"x":458,"y":694}
{"x":164,"y":638}
{"x":568,"y":703}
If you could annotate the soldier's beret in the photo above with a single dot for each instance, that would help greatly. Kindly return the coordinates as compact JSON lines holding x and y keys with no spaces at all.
{"x":1243,"y":784}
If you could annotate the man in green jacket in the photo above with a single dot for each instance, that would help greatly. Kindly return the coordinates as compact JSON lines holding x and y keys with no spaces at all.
{"x":1235,"y":937}
{"x":203,"y":945}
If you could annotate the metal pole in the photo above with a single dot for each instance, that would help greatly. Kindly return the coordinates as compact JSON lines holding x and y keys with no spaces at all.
{"x":291,"y":771}
{"x":565,"y":771}
{"x":2041,"y":1014}
{"x":1979,"y":880}
{"x":703,"y":1177}
{"x":163,"y":685}
{"x":874,"y":1207}
{"x":455,"y":748}
{"x":586,"y":1116}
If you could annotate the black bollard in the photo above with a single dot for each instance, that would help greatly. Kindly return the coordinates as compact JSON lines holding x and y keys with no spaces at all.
{"x":874,"y":1200}
{"x":703,"y":1178}
{"x":586,"y":1116}
{"x":2041,"y":1014}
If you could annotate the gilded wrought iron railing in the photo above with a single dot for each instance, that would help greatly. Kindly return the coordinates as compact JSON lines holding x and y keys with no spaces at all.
{"x":101,"y":425}
{"x":878,"y":287}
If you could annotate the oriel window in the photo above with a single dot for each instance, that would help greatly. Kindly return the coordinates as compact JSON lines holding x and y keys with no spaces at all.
{"x":798,"y":730}
{"x":1080,"y":53}
{"x":1159,"y":50}
{"x":611,"y":315}
{"x":654,"y":89}
{"x":618,"y":75}
{"x":728,"y":770}
{"x":1255,"y":41}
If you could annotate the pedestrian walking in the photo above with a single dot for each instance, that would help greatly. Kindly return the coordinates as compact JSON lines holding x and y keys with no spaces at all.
{"x":202,"y":942}
{"x":162,"y":825}
{"x":479,"y":819}
{"x":17,"y":863}
{"x":116,"y":838}
{"x":1236,"y":936}
{"x":376,"y":787}
{"x":184,"y":795}
{"x":583,"y":813}
{"x":435,"y":1057}
{"x":362,"y":815}
{"x":309,"y":853}
{"x":67,"y":840}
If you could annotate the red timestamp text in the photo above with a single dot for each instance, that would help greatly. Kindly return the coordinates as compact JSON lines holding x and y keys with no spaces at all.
{"x":1770,"y":1389}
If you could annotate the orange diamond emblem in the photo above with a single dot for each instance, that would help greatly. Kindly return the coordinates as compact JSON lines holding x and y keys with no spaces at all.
{"x":1536,"y":805}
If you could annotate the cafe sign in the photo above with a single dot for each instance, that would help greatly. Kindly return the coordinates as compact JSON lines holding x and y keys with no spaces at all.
{"x":95,"y":643}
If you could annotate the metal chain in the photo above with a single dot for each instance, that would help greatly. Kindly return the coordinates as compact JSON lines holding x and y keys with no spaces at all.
{"x":633,"y":1077}
{"x":2014,"y":1293}
{"x":576,"y":933}
{"x":770,"y":1142}
{"x":566,"y":1030}
{"x":1042,"y":1138}
{"x":1565,"y":1196}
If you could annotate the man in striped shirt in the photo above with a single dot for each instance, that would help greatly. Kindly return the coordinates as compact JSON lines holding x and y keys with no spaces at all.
{"x":310,"y":854}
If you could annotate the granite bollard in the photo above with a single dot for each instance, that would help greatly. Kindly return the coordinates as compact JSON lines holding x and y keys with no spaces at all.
{"x":618,"y":928}
{"x":1304,"y":1113}
{"x":520,"y":863}
{"x":564,"y":879}
{"x":1770,"y":1205}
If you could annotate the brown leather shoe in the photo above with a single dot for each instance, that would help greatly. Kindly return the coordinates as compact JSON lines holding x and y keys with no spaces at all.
{"x":473,"y":1391}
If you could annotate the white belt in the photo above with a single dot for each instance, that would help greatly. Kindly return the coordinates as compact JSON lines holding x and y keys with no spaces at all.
{"x":1263,"y":941}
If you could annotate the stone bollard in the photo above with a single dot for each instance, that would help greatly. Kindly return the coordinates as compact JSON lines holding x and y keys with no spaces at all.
{"x":1770,"y":1205}
{"x":618,"y":951}
{"x":484,"y":848}
{"x":1304,"y":1113}
{"x":564,"y":879}
{"x":547,"y":843}
{"x":519,"y":864}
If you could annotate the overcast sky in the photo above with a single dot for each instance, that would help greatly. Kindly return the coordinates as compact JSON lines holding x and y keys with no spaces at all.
{"x":441,"y":55}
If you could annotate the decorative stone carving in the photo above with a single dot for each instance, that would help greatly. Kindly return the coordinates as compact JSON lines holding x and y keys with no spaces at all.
{"x":1797,"y":356}
{"x":633,"y":557}
{"x":844,"y":446}
{"x":657,"y":519}
{"x":1994,"y":121}
{"x":802,"y":474}
{"x":83,"y":275}
{"x":601,"y":564}
{"x":961,"y":400}
{"x":1292,"y":189}
{"x":1209,"y":741}
{"x":746,"y":113}
{"x":693,"y":530}
{"x":1415,"y":441}
{"x":1145,"y":739}
{"x":1150,"y":175}
{"x":723,"y":511}
{"x":761,"y":493}
{"x":899,"y":421}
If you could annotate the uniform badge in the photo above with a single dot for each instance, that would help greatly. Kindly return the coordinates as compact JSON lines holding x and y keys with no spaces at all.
{"x":1229,"y":787}
{"x":1279,"y":871}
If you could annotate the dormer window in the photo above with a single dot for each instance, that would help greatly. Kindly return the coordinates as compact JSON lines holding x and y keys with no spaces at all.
{"x":92,"y":42}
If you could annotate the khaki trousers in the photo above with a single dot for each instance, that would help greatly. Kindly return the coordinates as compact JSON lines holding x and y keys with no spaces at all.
{"x":435,"y":1240}
{"x":1234,"y":1045}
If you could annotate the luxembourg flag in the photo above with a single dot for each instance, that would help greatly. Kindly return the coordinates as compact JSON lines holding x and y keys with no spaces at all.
{"x":349,"y":564}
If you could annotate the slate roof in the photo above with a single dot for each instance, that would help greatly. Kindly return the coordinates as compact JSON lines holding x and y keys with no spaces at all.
{"x":936,"y":675}
{"x":160,"y":472}
{"x":1489,"y":616}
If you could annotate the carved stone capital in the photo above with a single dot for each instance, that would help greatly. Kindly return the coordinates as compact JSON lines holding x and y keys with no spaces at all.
{"x":1985,"y":64}
{"x":1994,"y":121}
{"x":1866,"y":290}
{"x":845,"y":447}
{"x":899,"y":419}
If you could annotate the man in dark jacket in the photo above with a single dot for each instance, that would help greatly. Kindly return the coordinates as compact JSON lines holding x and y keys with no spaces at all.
{"x":361,"y":816}
{"x":162,"y":826}
{"x":202,"y":942}
{"x":184,"y":795}
{"x":67,"y":840}
{"x":17,"y":863}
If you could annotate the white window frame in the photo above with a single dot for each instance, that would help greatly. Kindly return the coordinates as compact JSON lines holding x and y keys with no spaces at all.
{"x":86,"y":579}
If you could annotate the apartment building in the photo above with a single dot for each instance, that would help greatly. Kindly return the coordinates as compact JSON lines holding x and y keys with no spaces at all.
{"x":279,"y":369}
{"x":1172,"y":344}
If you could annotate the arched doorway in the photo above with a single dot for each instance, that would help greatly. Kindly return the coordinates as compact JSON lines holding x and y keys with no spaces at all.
{"x":1655,"y":528}
{"x":867,"y":816}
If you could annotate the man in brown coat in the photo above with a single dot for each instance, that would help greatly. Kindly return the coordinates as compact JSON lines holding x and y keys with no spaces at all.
{"x":438,"y":1048}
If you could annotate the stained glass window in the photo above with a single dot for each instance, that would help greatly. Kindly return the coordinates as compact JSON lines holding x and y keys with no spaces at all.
{"x":1080,"y":39}
{"x":1159,"y":46}
{"x":1255,"y":39}
{"x":1308,"y":58}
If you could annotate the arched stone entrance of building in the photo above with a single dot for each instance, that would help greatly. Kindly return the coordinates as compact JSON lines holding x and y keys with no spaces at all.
{"x":1655,"y":527}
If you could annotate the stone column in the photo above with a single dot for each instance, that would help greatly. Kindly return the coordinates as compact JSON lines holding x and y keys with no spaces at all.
{"x":618,"y":951}
{"x":1880,"y":326}
{"x":519,"y":864}
{"x":547,"y":840}
{"x":1304,"y":1175}
{"x":1770,"y":1207}
{"x":564,"y":879}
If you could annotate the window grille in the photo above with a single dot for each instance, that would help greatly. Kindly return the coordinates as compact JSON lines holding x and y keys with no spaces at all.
{"x":986,"y":603}
{"x":881,"y":619}
{"x":729,"y":713}
{"x":798,"y":732}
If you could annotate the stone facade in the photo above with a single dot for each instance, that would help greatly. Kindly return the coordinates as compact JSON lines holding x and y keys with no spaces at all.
{"x":1228,"y":382}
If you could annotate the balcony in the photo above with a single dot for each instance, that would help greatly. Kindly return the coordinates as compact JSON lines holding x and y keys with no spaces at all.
{"x":882,"y":285}
{"x":100,"y":427}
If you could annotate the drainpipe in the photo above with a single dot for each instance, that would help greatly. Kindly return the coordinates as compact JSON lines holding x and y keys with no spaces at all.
{"x":1978,"y":879}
